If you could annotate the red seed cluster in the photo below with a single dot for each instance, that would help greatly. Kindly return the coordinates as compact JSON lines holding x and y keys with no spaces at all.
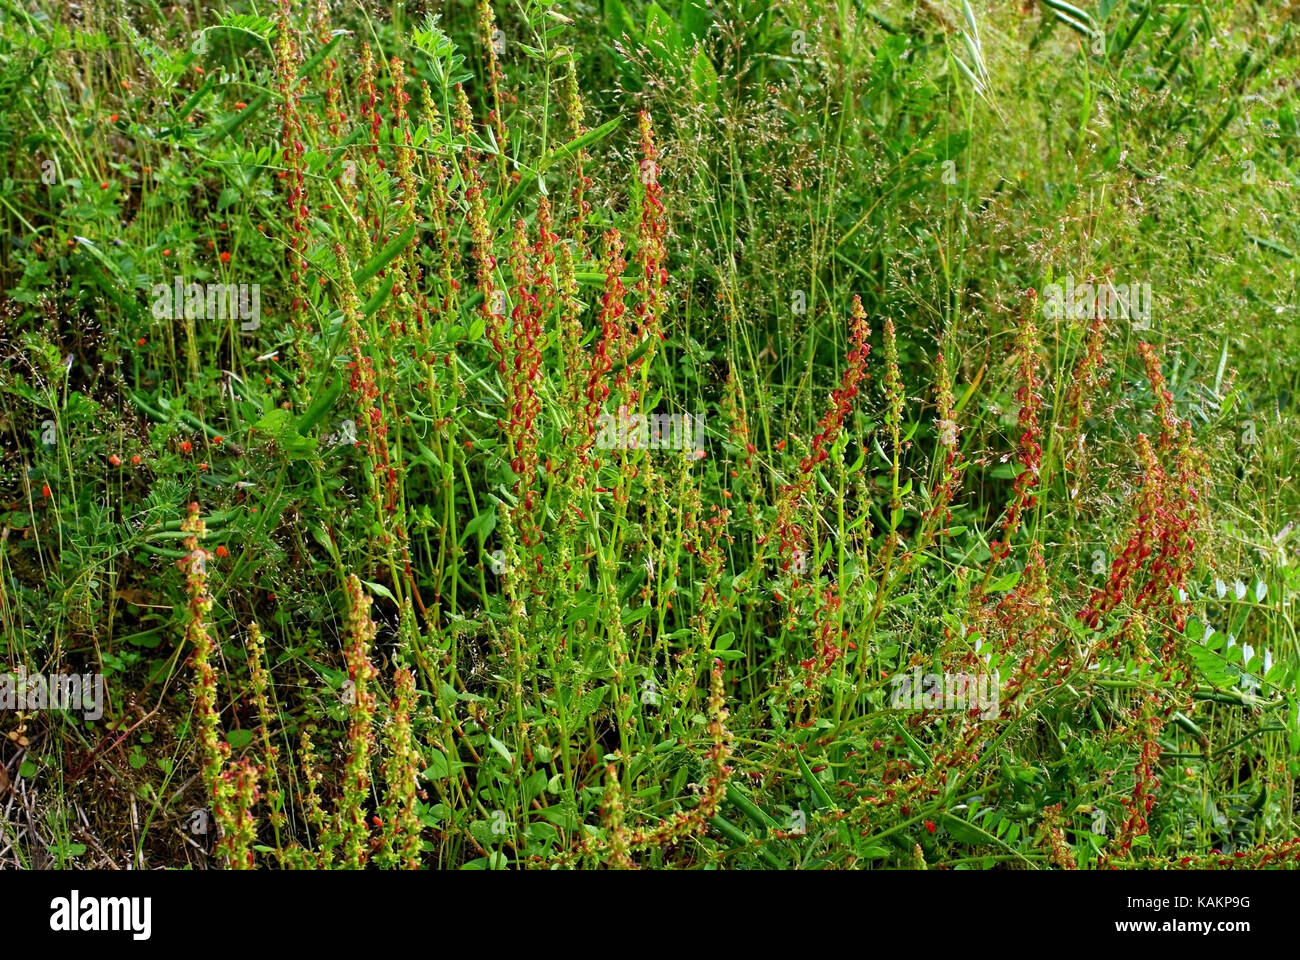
{"x":827,"y":633}
{"x":1164,"y":399}
{"x":1141,"y":801}
{"x":1029,"y":450}
{"x":1161,"y":539}
{"x":292,"y":155}
{"x":842,"y":397}
{"x":611,"y":345}
{"x":651,"y":252}
{"x":524,"y":371}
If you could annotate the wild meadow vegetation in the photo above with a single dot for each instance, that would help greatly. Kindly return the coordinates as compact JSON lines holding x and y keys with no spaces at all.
{"x":738,"y":434}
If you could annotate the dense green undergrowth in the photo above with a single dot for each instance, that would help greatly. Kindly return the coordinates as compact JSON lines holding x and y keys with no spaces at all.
{"x":622,"y":434}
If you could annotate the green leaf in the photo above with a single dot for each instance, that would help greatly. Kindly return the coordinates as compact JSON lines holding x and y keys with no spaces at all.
{"x":242,"y":117}
{"x":639,"y":352}
{"x":500,"y":748}
{"x":562,"y":817}
{"x":737,"y":796}
{"x":482,"y":524}
{"x":319,"y":407}
{"x":380,"y":260}
{"x":694,"y":17}
{"x":704,"y":78}
{"x":377,"y":301}
{"x":739,"y":838}
{"x":617,"y":22}
{"x":188,"y":106}
{"x":555,"y":156}
{"x":438,"y":768}
{"x":964,"y":832}
{"x":317,"y":58}
{"x":379,"y":590}
{"x":534,"y":785}
{"x":1069,"y":10}
{"x":1005,"y":582}
{"x":821,"y":799}
{"x":588,"y":702}
{"x":662,"y":37}
{"x":1211,"y":666}
{"x":276,"y":423}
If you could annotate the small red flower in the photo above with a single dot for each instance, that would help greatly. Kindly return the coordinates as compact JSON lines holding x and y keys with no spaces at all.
{"x":186,"y":446}
{"x":113,"y":118}
{"x":104,"y":185}
{"x":115,"y":460}
{"x":222,"y":551}
{"x":45,"y":491}
{"x":141,"y":342}
{"x":225,"y":256}
{"x":135,"y":460}
{"x":240,"y":105}
{"x":929,"y":825}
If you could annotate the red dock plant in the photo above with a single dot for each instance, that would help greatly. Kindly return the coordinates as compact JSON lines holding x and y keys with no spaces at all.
{"x":1162,"y":537}
{"x":855,"y":371}
{"x":581,"y":182}
{"x":199,"y":640}
{"x":611,"y":346}
{"x":1029,"y":451}
{"x":493,"y":40}
{"x":292,"y":151}
{"x":523,"y":406}
{"x":352,"y":829}
{"x":651,"y":252}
